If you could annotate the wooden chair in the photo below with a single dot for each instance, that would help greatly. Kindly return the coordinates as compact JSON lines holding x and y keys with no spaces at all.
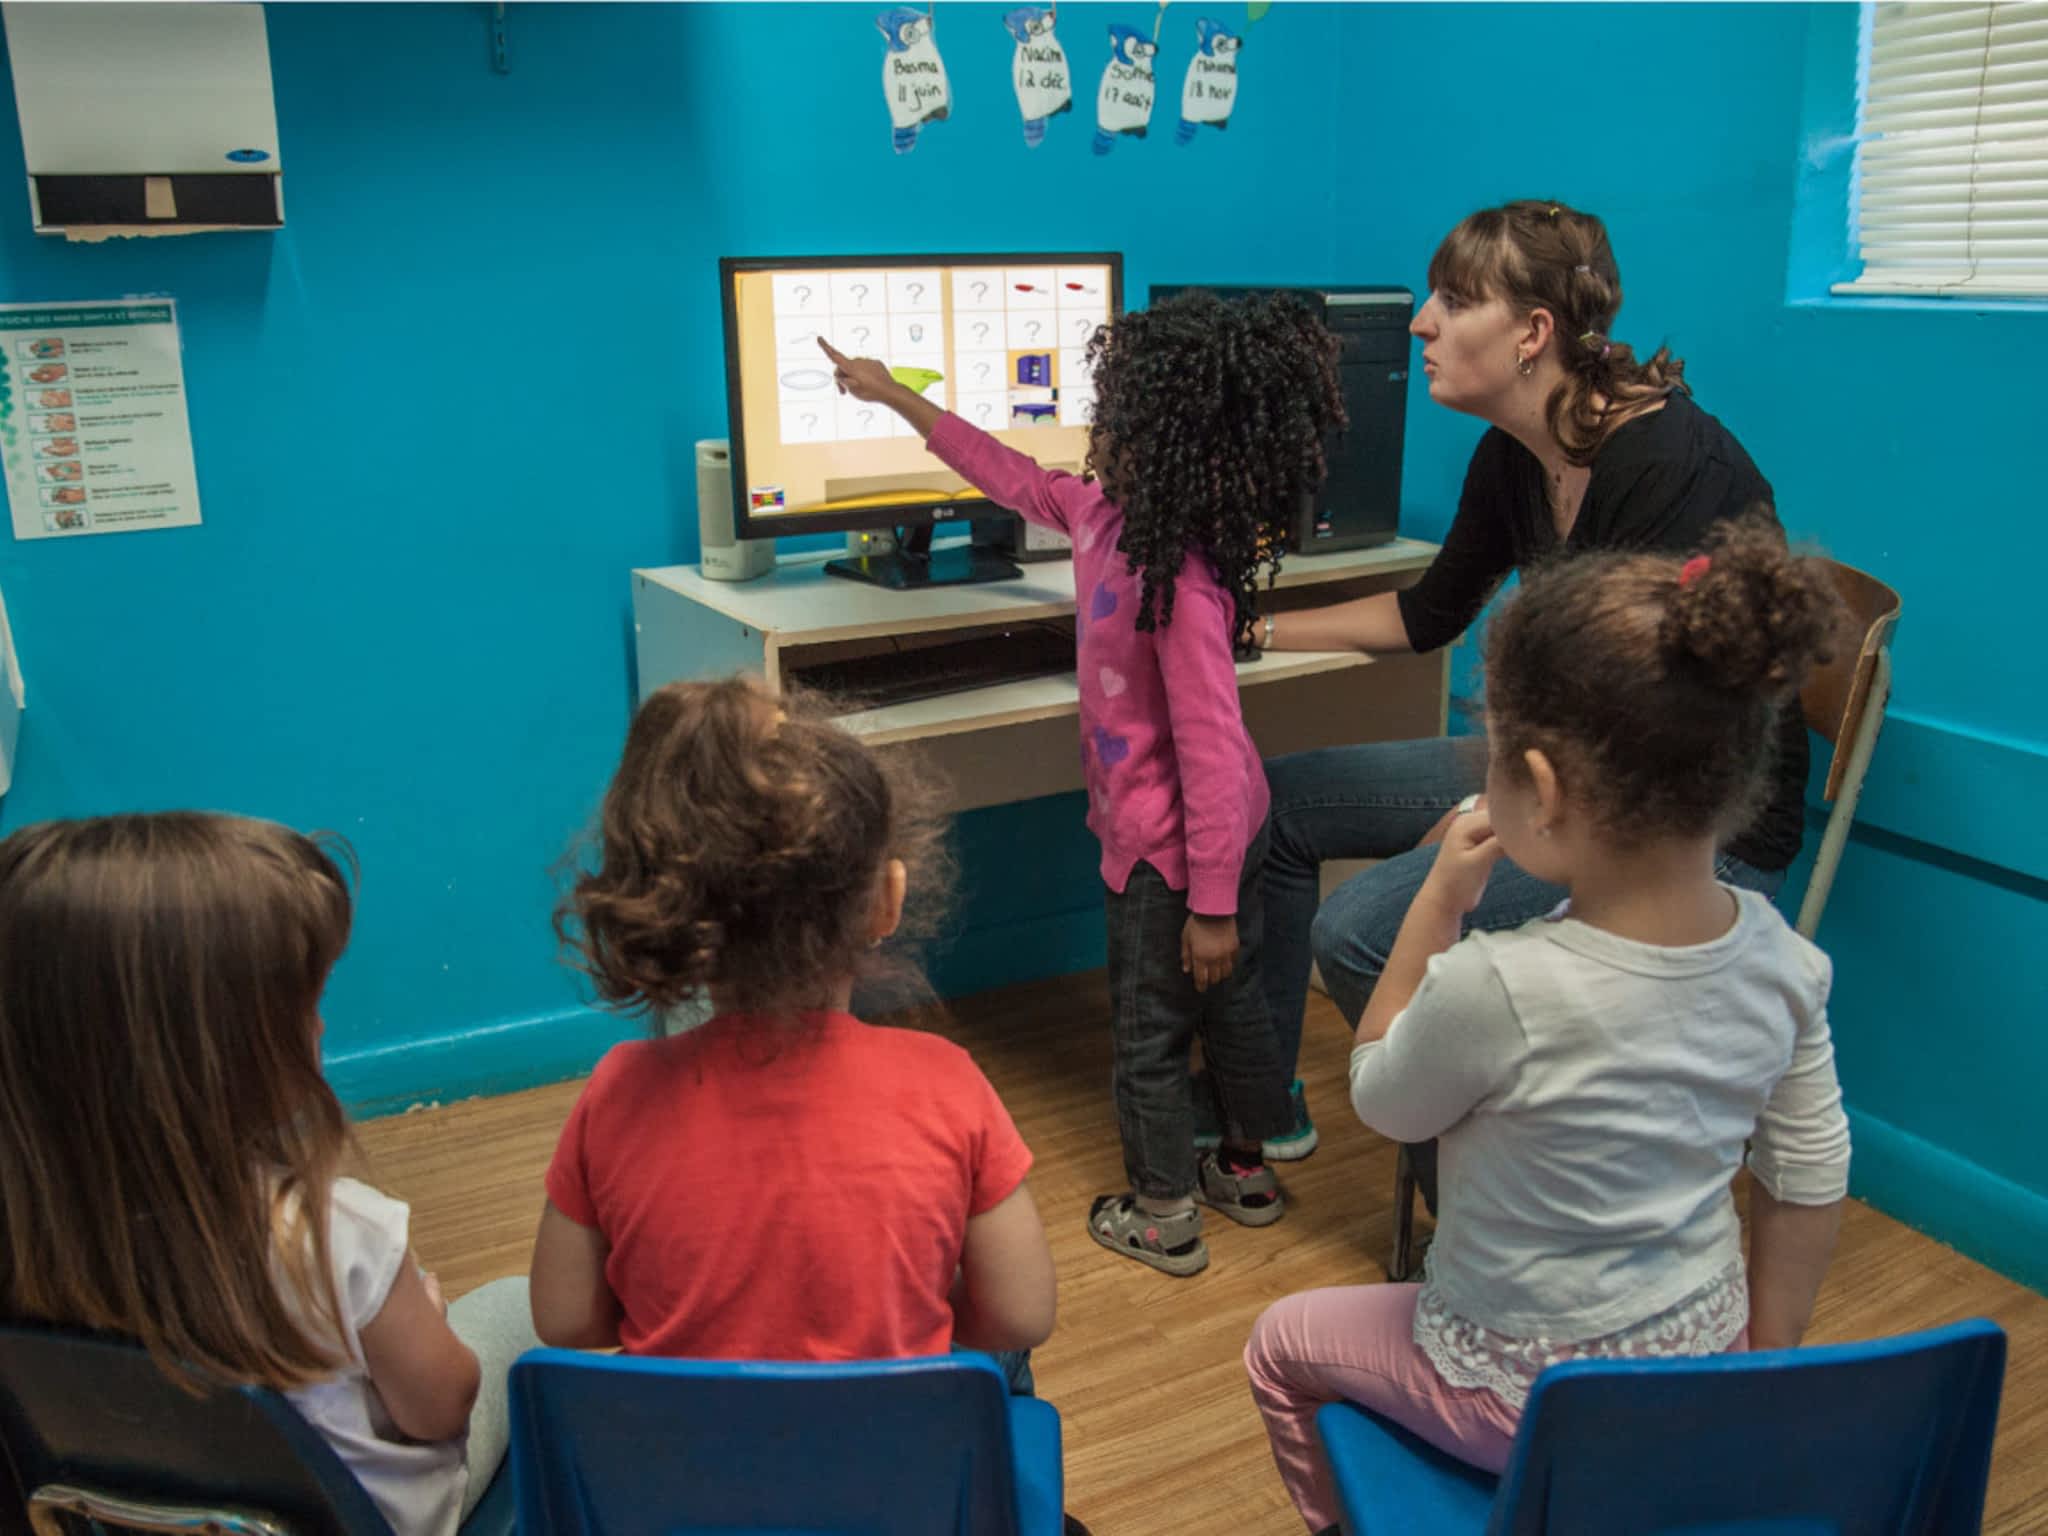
{"x":1845,"y":703}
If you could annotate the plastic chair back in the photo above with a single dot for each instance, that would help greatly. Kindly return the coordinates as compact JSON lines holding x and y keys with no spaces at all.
{"x":618,"y":1446}
{"x":93,"y":1413}
{"x":1889,"y":1436}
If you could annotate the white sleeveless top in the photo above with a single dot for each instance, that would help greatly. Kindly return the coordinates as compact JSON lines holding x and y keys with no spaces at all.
{"x":418,"y":1486}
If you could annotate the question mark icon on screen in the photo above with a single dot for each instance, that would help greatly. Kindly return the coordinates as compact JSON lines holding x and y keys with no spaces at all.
{"x":1083,"y":327}
{"x":810,"y":421}
{"x":916,"y":291}
{"x":860,"y":294}
{"x":860,"y":335}
{"x":981,"y":373}
{"x":803,"y":294}
{"x":981,"y":330}
{"x":867,"y":419}
{"x":1032,"y":328}
{"x":980,"y":292}
{"x":982,"y":411}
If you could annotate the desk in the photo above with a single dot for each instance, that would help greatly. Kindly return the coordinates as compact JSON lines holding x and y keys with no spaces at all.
{"x":1017,"y":741}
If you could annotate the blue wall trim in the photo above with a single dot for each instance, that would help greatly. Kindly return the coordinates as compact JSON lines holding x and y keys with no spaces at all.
{"x":1994,"y":1220}
{"x":525,"y":1053}
{"x":493,"y":1058}
{"x":1962,"y":789}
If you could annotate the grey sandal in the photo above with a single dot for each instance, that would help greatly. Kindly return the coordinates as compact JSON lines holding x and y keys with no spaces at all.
{"x":1170,"y":1244}
{"x":1250,"y":1197}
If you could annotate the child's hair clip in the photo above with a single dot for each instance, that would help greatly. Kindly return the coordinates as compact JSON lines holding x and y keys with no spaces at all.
{"x":1693,"y":570}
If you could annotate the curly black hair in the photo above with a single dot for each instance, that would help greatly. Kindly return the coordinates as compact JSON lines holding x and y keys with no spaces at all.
{"x":1210,"y":420}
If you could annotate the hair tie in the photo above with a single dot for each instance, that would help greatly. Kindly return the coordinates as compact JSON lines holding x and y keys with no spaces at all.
{"x":1693,"y":570}
{"x":1554,"y":211}
{"x":1591,"y":339}
{"x":1582,"y":267}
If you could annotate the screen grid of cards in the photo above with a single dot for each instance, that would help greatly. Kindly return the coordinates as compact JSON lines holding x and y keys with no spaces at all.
{"x":1005,"y":347}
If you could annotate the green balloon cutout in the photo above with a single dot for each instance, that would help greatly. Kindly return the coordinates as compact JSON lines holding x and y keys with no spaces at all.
{"x":1255,"y":10}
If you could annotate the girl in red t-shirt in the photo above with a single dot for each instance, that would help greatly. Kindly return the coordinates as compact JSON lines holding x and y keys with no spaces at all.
{"x":783,"y":1182}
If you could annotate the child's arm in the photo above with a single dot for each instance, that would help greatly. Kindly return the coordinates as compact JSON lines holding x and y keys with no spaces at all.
{"x":1800,"y":1159}
{"x":1197,"y":664}
{"x":1459,"y":1036}
{"x":1435,"y":919}
{"x":573,"y":1304}
{"x":1789,"y":1249}
{"x":1007,"y":1292}
{"x":427,"y":1377}
{"x":1457,"y":1041}
{"x":1008,"y":478}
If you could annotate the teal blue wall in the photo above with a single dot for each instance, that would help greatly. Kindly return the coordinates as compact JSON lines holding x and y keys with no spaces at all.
{"x":406,"y":614}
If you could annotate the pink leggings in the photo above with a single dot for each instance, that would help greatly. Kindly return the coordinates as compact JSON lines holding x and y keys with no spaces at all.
{"x":1356,"y":1343}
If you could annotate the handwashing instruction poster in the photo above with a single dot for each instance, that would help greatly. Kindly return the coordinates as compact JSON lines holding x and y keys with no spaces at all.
{"x":93,"y":431}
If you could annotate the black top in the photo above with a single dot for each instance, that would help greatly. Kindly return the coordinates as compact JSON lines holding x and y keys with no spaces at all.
{"x":1658,"y":484}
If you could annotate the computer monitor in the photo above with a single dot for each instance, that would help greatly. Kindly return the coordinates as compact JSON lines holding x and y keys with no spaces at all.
{"x":999,"y":339}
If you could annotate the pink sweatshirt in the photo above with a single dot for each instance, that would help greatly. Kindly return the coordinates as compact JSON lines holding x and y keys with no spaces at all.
{"x":1173,"y":777}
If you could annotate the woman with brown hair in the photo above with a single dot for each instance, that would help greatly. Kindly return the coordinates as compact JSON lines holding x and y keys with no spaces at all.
{"x":1591,"y":449}
{"x":170,"y":1152}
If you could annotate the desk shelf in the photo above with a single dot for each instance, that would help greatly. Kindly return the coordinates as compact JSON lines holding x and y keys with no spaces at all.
{"x":1016,"y":740}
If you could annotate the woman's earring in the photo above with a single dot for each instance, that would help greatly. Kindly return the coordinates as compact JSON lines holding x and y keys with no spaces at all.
{"x":1523,"y":366}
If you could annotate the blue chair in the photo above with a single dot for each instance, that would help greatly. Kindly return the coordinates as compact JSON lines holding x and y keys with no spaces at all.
{"x":1887,"y":1438}
{"x":606,"y":1445}
{"x":93,"y":1431}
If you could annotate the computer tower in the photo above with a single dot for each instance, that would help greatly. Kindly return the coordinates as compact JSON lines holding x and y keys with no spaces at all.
{"x":1360,"y":501}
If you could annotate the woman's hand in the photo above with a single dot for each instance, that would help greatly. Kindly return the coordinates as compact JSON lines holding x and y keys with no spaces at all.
{"x":864,"y":378}
{"x":1208,"y":949}
{"x":1458,"y":879}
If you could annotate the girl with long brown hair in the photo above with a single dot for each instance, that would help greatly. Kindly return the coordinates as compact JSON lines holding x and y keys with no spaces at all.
{"x":170,"y":1152}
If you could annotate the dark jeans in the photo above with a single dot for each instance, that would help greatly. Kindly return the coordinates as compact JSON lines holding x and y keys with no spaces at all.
{"x":1375,"y":802}
{"x":1156,"y":1015}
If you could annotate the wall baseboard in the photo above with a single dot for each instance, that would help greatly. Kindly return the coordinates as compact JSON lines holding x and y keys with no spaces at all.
{"x":525,"y":1053}
{"x":471,"y":1063}
{"x":1996,"y":1222}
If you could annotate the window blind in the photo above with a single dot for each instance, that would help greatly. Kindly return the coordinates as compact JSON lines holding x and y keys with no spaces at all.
{"x":1951,"y":188}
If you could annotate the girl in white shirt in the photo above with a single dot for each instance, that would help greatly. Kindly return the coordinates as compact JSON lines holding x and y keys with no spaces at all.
{"x":170,"y":1152}
{"x":1594,"y":1075}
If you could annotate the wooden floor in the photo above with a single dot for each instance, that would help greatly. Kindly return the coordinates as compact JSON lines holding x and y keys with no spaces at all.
{"x":1161,"y":1435}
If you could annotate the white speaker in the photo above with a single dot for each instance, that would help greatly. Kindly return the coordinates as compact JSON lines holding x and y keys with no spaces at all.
{"x":724,"y":557}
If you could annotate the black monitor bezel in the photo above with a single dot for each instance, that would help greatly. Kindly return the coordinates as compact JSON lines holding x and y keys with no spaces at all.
{"x":790,"y":525}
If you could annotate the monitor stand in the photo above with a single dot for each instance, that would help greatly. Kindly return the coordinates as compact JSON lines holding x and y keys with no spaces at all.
{"x":916,"y":565}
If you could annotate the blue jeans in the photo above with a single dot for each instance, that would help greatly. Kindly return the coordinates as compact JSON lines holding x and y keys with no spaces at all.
{"x":1376,"y":801}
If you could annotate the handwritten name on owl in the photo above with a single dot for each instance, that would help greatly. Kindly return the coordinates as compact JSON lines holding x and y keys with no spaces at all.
{"x":1203,"y":78}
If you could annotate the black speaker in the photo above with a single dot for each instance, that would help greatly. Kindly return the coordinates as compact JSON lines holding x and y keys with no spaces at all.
{"x":1360,"y":502}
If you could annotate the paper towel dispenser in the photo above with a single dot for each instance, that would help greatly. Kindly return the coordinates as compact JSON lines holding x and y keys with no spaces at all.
{"x":146,"y":116}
